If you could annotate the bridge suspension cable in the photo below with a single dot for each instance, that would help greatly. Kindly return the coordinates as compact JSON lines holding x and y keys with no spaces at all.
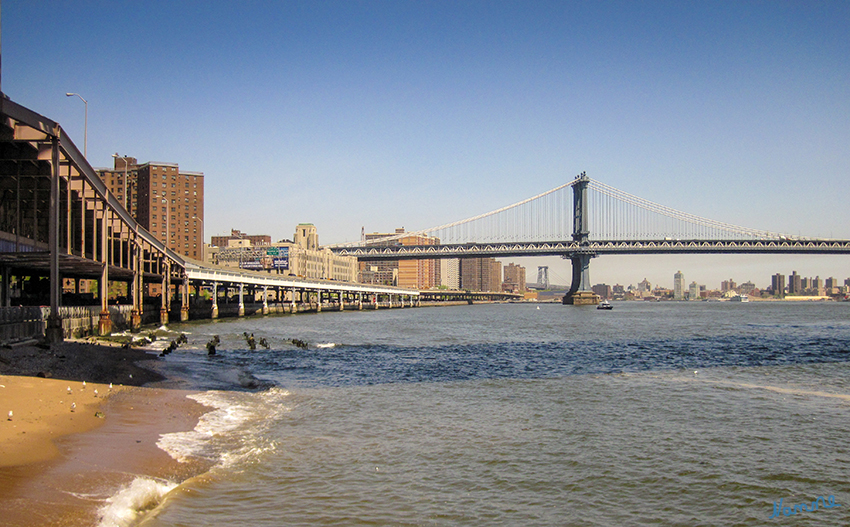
{"x":618,"y":215}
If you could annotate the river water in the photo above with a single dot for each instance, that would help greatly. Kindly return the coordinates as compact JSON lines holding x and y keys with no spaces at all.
{"x":517,"y":414}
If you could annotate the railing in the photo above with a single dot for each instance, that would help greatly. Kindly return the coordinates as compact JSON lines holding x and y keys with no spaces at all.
{"x":20,"y":323}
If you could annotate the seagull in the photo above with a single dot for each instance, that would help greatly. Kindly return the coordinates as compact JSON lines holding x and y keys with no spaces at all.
{"x":84,"y":385}
{"x":69,"y":389}
{"x":73,"y":406}
{"x":95,"y":393}
{"x":10,"y":415}
{"x":695,"y":372}
{"x":110,"y":385}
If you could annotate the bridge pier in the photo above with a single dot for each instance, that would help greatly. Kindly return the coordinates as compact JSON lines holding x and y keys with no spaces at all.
{"x":265,"y":300}
{"x":580,"y":293}
{"x":241,"y":300}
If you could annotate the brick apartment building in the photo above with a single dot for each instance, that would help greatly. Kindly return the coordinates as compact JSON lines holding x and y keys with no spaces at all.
{"x":164,"y":200}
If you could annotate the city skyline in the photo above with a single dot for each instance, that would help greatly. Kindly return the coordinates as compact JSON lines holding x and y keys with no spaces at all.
{"x":343,"y":115}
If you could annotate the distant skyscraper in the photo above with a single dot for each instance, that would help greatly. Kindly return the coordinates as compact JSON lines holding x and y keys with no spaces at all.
{"x":693,"y":291}
{"x":795,"y":284}
{"x":679,"y":286}
{"x":777,"y":284}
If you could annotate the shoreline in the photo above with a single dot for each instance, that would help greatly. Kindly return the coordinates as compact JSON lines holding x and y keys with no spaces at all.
{"x":59,"y":467}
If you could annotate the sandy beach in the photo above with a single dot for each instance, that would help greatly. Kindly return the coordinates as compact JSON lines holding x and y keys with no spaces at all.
{"x":68,"y":447}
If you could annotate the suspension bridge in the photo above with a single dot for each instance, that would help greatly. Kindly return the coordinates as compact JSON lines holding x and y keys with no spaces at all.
{"x":581,"y":220}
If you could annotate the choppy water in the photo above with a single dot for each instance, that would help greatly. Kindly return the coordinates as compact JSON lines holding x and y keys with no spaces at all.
{"x":667,"y":414}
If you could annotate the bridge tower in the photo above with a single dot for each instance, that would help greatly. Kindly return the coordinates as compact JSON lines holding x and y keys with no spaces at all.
{"x":580,"y":292}
{"x":543,"y":276}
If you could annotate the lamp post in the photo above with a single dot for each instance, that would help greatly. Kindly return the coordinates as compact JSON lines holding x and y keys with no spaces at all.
{"x":86,"y":129}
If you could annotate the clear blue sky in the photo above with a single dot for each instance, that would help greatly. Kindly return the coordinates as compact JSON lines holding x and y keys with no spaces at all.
{"x":400,"y":113}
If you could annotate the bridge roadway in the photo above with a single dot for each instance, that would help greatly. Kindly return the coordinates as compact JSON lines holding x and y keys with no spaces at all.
{"x":568,"y":249}
{"x":299,"y":294}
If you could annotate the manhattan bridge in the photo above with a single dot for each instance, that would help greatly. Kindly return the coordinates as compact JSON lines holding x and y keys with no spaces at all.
{"x":581,"y":220}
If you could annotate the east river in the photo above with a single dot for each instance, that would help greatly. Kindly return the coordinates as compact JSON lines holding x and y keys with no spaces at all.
{"x":518,"y":414}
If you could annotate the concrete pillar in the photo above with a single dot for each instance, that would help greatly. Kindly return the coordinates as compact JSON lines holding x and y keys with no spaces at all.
{"x":360,"y":301}
{"x":341,"y":301}
{"x":163,"y":310}
{"x":104,"y":325}
{"x":241,"y":300}
{"x":184,"y":299}
{"x":293,"y":306}
{"x":319,"y":301}
{"x":265,"y":300}
{"x":215,"y":300}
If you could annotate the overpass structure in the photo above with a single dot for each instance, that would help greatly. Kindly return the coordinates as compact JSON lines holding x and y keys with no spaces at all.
{"x":59,"y":222}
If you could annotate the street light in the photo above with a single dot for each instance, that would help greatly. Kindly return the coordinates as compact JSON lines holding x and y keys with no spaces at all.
{"x":86,"y":129}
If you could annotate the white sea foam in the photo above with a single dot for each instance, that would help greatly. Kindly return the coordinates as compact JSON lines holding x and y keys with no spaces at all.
{"x":327,"y":345}
{"x":126,"y":506}
{"x":229,"y":433}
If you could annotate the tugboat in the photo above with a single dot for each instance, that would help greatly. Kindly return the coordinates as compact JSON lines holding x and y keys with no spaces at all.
{"x":605,"y":305}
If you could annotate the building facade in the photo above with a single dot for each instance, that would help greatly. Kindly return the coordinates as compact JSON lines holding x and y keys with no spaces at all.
{"x":480,"y":274}
{"x":166,"y":201}
{"x":678,"y":286}
{"x":515,"y":281}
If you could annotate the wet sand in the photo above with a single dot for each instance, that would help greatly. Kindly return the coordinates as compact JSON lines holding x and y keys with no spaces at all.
{"x":58,"y":467}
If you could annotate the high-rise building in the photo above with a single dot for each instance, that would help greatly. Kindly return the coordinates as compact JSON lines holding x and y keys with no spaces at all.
{"x":419,"y":274}
{"x":678,"y":286}
{"x":414,"y":274}
{"x":480,"y":274}
{"x":693,"y":291}
{"x":514,"y":278}
{"x":728,"y":285}
{"x":795,"y":284}
{"x":777,"y":284}
{"x":450,"y":273}
{"x":164,"y":200}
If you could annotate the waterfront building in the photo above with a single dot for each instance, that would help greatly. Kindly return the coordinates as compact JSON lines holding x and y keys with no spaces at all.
{"x":604,"y":291}
{"x":747,"y":288}
{"x":450,"y":273}
{"x":816,"y":286}
{"x":480,"y":274}
{"x":414,"y":274}
{"x":795,"y":284}
{"x":302,"y":257}
{"x":644,"y":287}
{"x":728,"y":285}
{"x":693,"y":291}
{"x":777,"y":284}
{"x":167,"y":202}
{"x":514,"y":278}
{"x":678,"y":286}
{"x":419,"y":274}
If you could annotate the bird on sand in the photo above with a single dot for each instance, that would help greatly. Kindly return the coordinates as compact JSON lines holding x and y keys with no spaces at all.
{"x":73,"y":406}
{"x":69,"y":389}
{"x":95,"y":393}
{"x":84,"y":385}
{"x":10,"y":415}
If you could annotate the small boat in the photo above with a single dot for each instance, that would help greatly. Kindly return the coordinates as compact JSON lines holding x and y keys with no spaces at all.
{"x":740,"y":298}
{"x":605,"y":305}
